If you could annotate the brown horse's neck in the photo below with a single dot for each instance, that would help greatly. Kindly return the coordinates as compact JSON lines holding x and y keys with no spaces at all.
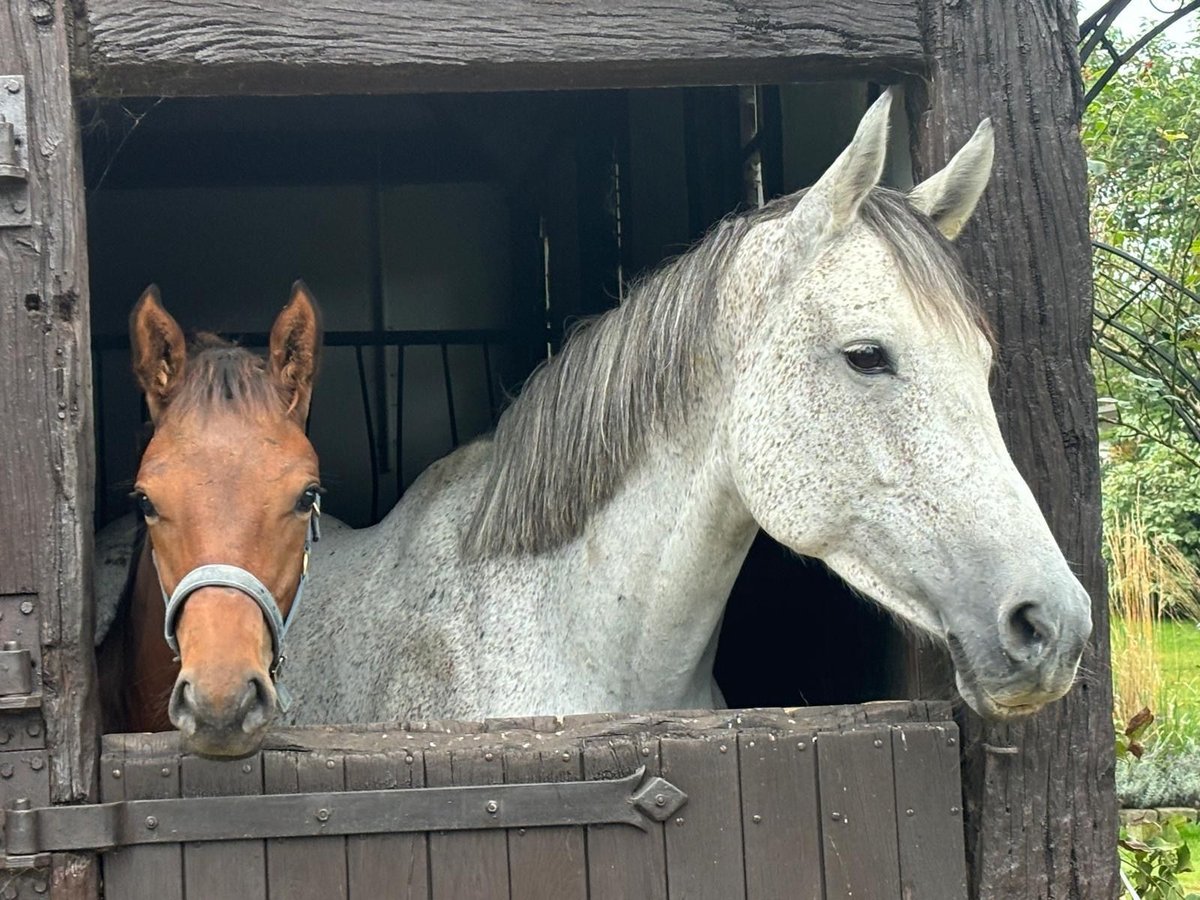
{"x":137,"y":667}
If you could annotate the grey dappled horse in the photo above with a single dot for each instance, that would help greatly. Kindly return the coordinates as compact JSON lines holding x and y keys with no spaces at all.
{"x":815,"y":369}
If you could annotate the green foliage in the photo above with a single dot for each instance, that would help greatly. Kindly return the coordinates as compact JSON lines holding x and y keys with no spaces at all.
{"x":1158,"y":752}
{"x":1146,"y":476}
{"x":1165,"y":776}
{"x":1154,"y":855}
{"x":1142,"y":137}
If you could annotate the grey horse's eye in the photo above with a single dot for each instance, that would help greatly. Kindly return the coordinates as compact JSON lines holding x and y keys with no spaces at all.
{"x":870,"y":359}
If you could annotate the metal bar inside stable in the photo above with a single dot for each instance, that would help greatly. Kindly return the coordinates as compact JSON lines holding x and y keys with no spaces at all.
{"x":389,"y":338}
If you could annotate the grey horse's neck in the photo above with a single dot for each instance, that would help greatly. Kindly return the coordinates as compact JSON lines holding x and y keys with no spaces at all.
{"x":641,"y":591}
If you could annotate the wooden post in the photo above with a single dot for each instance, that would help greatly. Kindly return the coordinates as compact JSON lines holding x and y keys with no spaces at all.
{"x":1041,"y":818}
{"x":46,"y":428}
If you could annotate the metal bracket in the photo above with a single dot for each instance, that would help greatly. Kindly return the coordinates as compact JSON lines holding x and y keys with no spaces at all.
{"x":29,"y":834}
{"x":16,"y":678}
{"x":14,"y":154}
{"x":20,"y":653}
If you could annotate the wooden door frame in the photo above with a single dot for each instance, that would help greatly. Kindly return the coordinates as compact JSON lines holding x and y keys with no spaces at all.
{"x":1039,"y":795}
{"x":46,"y":452}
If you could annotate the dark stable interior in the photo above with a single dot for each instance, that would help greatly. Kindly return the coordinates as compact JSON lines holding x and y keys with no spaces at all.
{"x":509,"y":215}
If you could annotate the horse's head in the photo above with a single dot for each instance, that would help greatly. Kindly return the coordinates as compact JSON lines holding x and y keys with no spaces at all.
{"x":227,"y":486}
{"x":863,"y":432}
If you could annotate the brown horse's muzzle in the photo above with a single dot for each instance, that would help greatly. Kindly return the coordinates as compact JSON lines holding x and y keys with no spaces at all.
{"x":223,"y":700}
{"x":223,"y":723}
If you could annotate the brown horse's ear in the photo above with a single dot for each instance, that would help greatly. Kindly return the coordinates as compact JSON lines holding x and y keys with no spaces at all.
{"x":159,"y":350}
{"x":296,"y":349}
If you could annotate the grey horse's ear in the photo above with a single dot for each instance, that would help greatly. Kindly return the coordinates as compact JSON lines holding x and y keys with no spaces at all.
{"x":832,"y":203}
{"x":949,"y":197}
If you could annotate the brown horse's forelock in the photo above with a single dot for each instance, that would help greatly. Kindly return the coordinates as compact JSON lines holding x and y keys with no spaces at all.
{"x":221,"y":376}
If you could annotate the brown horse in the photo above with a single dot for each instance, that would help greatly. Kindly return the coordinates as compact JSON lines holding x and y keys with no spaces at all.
{"x":228,"y":491}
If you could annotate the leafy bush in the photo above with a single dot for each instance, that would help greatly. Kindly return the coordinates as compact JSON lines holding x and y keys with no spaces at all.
{"x":1142,"y":136}
{"x":1152,"y":482}
{"x":1164,"y":776}
{"x":1153,"y":855}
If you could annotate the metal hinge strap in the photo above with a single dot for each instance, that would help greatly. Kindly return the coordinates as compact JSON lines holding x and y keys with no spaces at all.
{"x":634,"y":800}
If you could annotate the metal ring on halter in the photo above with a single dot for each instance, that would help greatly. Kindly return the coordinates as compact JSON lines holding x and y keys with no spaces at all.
{"x":239,"y":579}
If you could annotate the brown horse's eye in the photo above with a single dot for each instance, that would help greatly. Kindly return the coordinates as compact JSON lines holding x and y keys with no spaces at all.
{"x":308,"y":500}
{"x":145,"y":507}
{"x":870,"y":359}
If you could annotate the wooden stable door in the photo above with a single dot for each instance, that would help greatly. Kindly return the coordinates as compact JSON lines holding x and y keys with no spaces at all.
{"x":811,"y":804}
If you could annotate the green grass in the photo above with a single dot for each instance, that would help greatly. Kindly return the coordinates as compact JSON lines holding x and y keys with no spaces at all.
{"x":1179,"y":656}
{"x":1178,"y":721}
{"x":1179,"y":659}
{"x":1179,"y":652}
{"x":1190,"y":881}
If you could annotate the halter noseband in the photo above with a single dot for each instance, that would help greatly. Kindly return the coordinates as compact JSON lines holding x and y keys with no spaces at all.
{"x":239,"y":579}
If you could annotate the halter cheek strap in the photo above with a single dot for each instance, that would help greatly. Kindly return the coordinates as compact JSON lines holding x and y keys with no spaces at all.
{"x":240,"y":580}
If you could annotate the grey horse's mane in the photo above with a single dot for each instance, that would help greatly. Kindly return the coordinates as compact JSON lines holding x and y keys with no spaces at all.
{"x":583,"y":418}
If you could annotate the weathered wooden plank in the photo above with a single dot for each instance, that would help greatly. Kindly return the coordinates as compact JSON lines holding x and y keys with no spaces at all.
{"x":46,"y":405}
{"x":781,"y":817}
{"x":624,"y":862}
{"x":307,"y":867}
{"x":542,"y":724}
{"x":467,"y":865}
{"x":858,"y":815}
{"x":380,"y":738}
{"x":141,"y":873}
{"x":177,"y":47}
{"x":446,"y":726}
{"x":704,"y":845}
{"x":392,"y":865}
{"x":545,"y":863}
{"x":929,"y":820}
{"x":1028,"y":252}
{"x":227,"y":868}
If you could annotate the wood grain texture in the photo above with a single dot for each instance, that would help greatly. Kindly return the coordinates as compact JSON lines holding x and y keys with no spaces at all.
{"x":624,"y":862}
{"x":387,"y":865}
{"x":225,"y":868}
{"x":380,"y":738}
{"x":305,"y":867}
{"x":141,"y":873}
{"x":545,"y":863}
{"x":196,"y":47}
{"x":781,"y":818}
{"x":858,"y":815}
{"x":46,"y":460}
{"x":704,"y":845}
{"x":1041,"y":823}
{"x":929,"y":824}
{"x":467,"y":865}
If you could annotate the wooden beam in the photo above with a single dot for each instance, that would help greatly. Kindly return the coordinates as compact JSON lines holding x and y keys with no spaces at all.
{"x":46,"y":460}
{"x":1041,"y":819}
{"x":206,"y":47}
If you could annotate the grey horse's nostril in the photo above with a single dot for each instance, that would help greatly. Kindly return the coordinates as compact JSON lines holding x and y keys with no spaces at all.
{"x":1027,"y":632}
